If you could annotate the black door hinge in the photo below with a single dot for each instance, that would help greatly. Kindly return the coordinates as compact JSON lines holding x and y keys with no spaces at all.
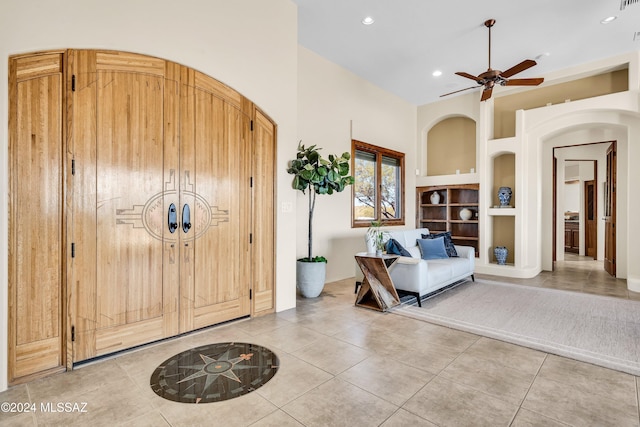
{"x":250,"y":237}
{"x":252,"y":125}
{"x":251,"y":182}
{"x":73,"y":83}
{"x":73,"y":250}
{"x":73,"y":333}
{"x":250,"y":294}
{"x":73,"y":167}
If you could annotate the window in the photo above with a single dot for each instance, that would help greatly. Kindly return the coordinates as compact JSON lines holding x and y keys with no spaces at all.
{"x":378,"y":191}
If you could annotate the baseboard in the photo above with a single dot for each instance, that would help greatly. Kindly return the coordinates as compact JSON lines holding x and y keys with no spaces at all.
{"x":633,"y":283}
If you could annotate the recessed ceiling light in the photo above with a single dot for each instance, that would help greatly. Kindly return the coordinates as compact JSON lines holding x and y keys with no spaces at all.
{"x":368,"y":20}
{"x":436,"y":73}
{"x":608,"y":19}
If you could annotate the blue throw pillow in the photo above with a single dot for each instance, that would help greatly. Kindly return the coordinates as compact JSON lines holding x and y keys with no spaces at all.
{"x":394,"y":247}
{"x":448,"y":243}
{"x":432,"y":248}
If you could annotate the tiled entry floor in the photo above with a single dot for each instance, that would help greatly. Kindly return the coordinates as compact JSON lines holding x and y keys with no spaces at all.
{"x":346,"y":366}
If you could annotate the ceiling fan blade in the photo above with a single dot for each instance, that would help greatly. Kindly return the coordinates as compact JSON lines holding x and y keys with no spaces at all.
{"x":451,"y":93}
{"x":469,"y":76}
{"x":486,"y":94}
{"x":527,"y":63}
{"x":524,"y":82}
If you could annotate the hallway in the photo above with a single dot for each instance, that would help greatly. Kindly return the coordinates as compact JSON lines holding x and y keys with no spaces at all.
{"x":576,"y":273}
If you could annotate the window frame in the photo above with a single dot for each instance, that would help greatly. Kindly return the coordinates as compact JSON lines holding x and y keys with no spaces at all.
{"x":379,"y":152}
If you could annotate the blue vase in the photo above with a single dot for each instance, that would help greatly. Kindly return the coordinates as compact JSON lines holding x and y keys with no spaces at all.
{"x":501,"y":253}
{"x":504,"y":195}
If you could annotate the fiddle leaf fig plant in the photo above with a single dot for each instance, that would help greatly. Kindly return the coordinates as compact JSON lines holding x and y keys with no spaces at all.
{"x":316,"y":175}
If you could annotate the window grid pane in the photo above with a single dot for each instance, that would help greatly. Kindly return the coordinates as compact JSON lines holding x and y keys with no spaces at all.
{"x":365,"y":186}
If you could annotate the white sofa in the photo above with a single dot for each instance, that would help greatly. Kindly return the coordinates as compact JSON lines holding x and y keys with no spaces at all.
{"x":419,"y":277}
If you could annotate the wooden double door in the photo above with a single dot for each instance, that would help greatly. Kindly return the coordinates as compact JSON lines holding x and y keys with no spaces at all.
{"x":164,"y":181}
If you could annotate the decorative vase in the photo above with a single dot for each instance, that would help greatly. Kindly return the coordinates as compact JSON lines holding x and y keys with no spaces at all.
{"x":501,"y":253}
{"x":504,"y":195}
{"x":435,"y":198}
{"x":310,"y":278}
{"x":371,"y":244}
{"x":465,"y":214}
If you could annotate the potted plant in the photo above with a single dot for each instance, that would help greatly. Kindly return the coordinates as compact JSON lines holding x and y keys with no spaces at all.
{"x":315,"y":175}
{"x":376,"y":238}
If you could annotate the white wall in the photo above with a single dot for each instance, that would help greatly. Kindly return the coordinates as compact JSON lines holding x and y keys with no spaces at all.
{"x":334,"y":106}
{"x":250,"y":45}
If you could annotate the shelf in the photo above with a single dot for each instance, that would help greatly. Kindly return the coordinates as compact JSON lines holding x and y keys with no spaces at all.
{"x":445,"y":216}
{"x":502,"y":211}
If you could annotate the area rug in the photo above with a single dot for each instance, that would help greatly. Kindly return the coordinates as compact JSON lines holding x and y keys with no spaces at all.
{"x":596,"y":329}
{"x":214,"y":372}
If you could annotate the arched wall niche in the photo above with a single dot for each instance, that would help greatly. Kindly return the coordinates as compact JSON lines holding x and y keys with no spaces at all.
{"x":450,"y":146}
{"x":503,"y":166}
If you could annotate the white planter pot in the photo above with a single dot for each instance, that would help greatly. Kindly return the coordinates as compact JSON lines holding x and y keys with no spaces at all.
{"x":310,"y":278}
{"x":371,"y":245}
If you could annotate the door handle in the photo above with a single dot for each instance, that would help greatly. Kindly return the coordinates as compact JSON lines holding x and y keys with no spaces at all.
{"x":186,"y":218}
{"x":172,"y":218}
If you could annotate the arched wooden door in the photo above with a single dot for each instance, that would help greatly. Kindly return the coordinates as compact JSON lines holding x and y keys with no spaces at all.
{"x":141,"y":206}
{"x":161,"y":202}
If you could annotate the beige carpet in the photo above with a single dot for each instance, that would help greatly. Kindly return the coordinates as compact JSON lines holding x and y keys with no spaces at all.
{"x":601,"y":330}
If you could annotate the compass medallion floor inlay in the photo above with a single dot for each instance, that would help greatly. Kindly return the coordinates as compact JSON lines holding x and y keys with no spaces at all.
{"x":214,"y":372}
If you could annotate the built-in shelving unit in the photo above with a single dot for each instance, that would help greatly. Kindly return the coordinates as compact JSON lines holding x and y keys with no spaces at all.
{"x":445,"y":215}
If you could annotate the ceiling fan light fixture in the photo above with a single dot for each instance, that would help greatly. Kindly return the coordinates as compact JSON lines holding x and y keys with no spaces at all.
{"x":436,"y":73}
{"x":608,"y":19}
{"x":368,"y":20}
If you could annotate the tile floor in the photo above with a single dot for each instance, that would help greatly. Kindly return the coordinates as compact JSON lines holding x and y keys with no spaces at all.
{"x":347,"y":366}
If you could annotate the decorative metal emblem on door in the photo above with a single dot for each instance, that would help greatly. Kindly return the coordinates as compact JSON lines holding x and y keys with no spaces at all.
{"x":145,"y":216}
{"x":186,"y":218}
{"x":172,"y":218}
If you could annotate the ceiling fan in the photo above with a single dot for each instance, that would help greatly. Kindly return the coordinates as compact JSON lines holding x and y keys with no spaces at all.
{"x":491,"y":77}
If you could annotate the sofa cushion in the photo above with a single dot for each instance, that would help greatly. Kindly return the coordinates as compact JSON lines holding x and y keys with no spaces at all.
{"x":432,"y":248}
{"x":448,"y":243}
{"x":459,"y":266}
{"x":394,"y":247}
{"x":439,"y":273}
{"x":414,"y":251}
{"x":407,"y":238}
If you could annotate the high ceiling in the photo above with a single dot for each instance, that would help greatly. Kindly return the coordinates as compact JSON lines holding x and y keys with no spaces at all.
{"x":410,"y":39}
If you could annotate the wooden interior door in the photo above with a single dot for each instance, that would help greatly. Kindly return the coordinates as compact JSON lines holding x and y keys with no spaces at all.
{"x":215,"y":176}
{"x":610,"y":212}
{"x":590,"y":219}
{"x":36,"y":226}
{"x":124,"y":182}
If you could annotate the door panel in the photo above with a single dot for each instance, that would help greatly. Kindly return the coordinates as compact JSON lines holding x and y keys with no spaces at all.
{"x":130,"y":214}
{"x":216,"y":188}
{"x":590,"y":222}
{"x":36,"y":223}
{"x":610,"y":212}
{"x":122,"y":277}
{"x":82,"y":269}
{"x":263,"y":221}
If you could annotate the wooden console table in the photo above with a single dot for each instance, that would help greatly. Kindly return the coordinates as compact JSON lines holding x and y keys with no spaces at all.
{"x":377,"y":291}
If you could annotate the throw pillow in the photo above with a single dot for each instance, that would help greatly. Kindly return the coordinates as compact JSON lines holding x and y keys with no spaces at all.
{"x":448,"y":243}
{"x":394,"y":247}
{"x":432,"y":248}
